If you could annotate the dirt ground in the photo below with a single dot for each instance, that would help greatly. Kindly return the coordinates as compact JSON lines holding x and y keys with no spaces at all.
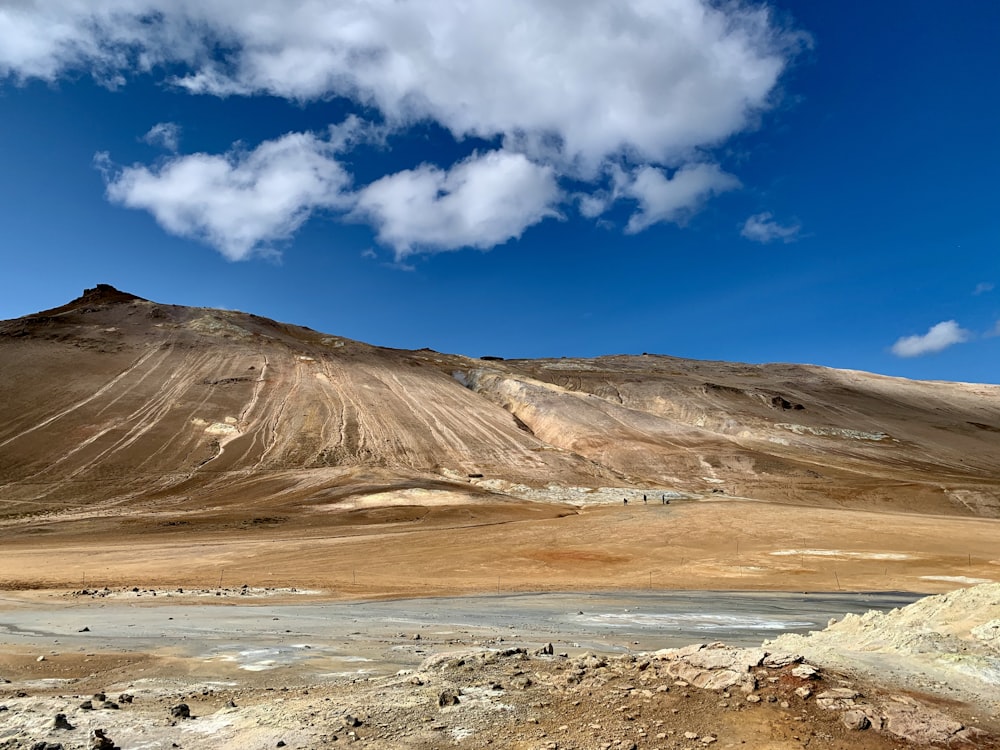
{"x":418,"y":551}
{"x":465,"y":695}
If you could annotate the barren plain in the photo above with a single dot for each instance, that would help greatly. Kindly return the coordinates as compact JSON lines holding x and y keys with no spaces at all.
{"x":155,"y":457}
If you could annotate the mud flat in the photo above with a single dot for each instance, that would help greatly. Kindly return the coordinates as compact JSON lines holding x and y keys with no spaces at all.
{"x":380,"y":636}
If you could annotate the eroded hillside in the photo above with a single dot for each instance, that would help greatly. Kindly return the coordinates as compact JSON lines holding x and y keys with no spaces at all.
{"x":113,"y":401}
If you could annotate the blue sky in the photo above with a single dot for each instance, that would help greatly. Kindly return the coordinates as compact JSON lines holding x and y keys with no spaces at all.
{"x":783,"y":182}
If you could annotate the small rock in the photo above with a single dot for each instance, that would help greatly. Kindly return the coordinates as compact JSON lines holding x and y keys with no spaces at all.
{"x":855,"y":719}
{"x":447,"y":698}
{"x":181,"y":711}
{"x":281,"y":743}
{"x":836,"y":698}
{"x":231,"y":704}
{"x":350,"y":721}
{"x":777,"y":661}
{"x":805,"y":672}
{"x":690,"y":735}
{"x":99,"y":697}
{"x":84,"y":629}
{"x":100,"y":741}
{"x":110,"y":705}
{"x":87,"y":706}
{"x":708,"y":739}
{"x":60,"y":722}
{"x":919,"y":723}
{"x":753,"y":698}
{"x":803,"y":692}
{"x":126,"y":698}
{"x":40,"y":658}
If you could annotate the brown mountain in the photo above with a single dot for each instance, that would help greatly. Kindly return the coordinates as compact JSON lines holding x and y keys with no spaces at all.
{"x":113,"y":402}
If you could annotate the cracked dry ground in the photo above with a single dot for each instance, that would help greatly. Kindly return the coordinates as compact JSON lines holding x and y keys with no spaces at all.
{"x":693,"y":697}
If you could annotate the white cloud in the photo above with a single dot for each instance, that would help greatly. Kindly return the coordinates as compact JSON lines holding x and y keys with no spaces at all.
{"x":673,"y":199}
{"x":984,"y":287}
{"x":481,"y":202}
{"x":994,"y":331}
{"x":111,"y":39}
{"x":574,"y":86}
{"x":164,"y":135}
{"x":938,"y":337}
{"x":655,"y":79}
{"x":763,"y":228}
{"x":239,"y":202}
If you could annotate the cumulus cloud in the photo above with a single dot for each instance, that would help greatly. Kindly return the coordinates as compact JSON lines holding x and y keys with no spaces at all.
{"x":164,"y":135}
{"x":481,"y":202}
{"x":984,"y":287}
{"x":572,"y":86}
{"x":763,"y":228}
{"x":938,"y":338}
{"x":110,"y":40}
{"x":239,"y":202}
{"x":654,"y":78}
{"x":673,"y":199}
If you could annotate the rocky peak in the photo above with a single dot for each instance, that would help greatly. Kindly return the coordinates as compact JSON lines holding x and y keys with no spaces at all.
{"x":103,"y":294}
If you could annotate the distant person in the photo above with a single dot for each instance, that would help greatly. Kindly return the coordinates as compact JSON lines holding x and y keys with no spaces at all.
{"x":625,"y":501}
{"x":643,"y":499}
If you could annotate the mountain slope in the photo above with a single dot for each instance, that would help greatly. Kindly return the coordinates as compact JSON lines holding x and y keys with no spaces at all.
{"x":113,"y":401}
